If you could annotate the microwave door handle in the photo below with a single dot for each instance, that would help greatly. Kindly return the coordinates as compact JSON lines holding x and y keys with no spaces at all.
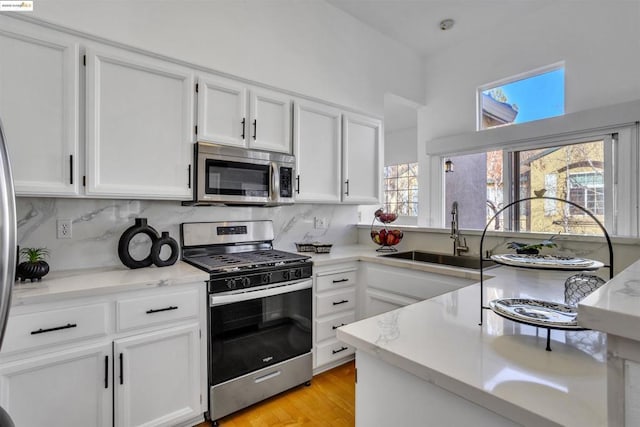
{"x":275,"y":182}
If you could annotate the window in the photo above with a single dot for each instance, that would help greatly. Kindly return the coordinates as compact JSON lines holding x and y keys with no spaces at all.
{"x":518,"y":100}
{"x":574,"y":172}
{"x":587,"y":189}
{"x":401,"y":189}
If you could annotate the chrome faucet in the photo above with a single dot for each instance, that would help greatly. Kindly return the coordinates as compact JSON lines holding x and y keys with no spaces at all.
{"x":455,"y":233}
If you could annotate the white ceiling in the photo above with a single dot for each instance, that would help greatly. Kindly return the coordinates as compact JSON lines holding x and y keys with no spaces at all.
{"x":415,"y":23}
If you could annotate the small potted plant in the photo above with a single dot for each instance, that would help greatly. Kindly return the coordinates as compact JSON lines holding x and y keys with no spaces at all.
{"x":532,"y":248}
{"x":34,"y":267}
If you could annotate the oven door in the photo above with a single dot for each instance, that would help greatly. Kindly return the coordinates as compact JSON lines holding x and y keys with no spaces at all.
{"x":254,"y":329}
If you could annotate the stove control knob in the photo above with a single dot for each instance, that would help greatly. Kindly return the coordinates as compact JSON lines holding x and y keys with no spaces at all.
{"x":265,"y":278}
{"x":231,"y":283}
{"x":297,"y":273}
{"x":246,"y":282}
{"x":286,"y":275}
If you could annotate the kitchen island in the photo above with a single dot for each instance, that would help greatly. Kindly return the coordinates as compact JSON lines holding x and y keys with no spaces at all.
{"x":615,"y":309}
{"x":430,"y":363}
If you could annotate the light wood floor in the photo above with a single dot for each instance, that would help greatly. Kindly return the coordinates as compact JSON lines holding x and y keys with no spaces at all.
{"x":329,"y":401}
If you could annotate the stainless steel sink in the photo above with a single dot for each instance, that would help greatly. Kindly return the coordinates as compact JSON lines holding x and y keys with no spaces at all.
{"x":443,"y":259}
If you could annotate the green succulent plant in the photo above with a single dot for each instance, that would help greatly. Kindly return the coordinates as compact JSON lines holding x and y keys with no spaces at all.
{"x":549,"y":243}
{"x":34,"y":254}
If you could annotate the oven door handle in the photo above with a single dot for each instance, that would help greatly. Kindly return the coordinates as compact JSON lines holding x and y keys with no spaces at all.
{"x":215,"y":300}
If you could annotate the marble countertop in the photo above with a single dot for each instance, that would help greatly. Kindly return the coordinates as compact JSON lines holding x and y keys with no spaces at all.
{"x":501,"y":365}
{"x":99,"y":281}
{"x":614,"y":308}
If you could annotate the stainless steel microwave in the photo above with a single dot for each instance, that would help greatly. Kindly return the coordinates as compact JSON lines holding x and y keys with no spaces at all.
{"x":237,"y":176}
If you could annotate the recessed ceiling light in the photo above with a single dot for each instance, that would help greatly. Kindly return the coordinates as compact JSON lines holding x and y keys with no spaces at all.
{"x":446,"y":24}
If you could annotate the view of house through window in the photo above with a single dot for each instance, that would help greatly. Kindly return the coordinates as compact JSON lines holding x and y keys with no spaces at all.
{"x":572,"y":172}
{"x":538,"y":96}
{"x":401,"y":189}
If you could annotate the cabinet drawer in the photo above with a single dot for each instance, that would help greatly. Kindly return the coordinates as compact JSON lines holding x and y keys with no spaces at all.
{"x":327,"y":281}
{"x":151,"y":310}
{"x":326,"y":327}
{"x":331,"y":351}
{"x":46,"y":328}
{"x":335,"y":302}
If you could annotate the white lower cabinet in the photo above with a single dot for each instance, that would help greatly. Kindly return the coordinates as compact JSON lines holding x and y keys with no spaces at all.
{"x":72,"y":364}
{"x":334,"y":306}
{"x":158,"y":377}
{"x":388,"y":288}
{"x":61,"y":389}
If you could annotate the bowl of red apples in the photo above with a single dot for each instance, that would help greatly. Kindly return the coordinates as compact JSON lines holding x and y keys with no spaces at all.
{"x":383,"y":236}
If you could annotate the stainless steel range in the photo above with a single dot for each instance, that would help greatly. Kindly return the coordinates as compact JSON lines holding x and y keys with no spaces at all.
{"x":259,"y":312}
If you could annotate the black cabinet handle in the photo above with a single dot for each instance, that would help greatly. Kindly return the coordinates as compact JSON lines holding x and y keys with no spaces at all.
{"x":339,"y":350}
{"x":71,"y":169}
{"x":189,"y":176}
{"x":344,"y":301}
{"x":298,"y":184}
{"x":57,"y":328}
{"x":106,"y":372}
{"x":340,"y":280}
{"x":346,"y":193}
{"x":172,"y":307}
{"x":121,"y":369}
{"x":244,"y":120}
{"x":336,"y":327}
{"x":255,"y":128}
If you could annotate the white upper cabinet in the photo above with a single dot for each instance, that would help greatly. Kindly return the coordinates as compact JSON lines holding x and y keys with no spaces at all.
{"x":361,"y":159}
{"x":231,"y":113}
{"x":222,"y":111}
{"x":270,"y":121}
{"x":317,"y":144}
{"x":139,"y":126}
{"x":39,"y":87}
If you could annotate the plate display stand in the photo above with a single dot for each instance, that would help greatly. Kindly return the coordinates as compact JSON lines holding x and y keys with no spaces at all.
{"x":542,"y":314}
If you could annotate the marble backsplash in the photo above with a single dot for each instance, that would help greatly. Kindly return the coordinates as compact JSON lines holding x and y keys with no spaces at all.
{"x":97,"y":225}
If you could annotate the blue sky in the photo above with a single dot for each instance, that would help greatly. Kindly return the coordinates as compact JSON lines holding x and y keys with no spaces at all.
{"x":537,"y":97}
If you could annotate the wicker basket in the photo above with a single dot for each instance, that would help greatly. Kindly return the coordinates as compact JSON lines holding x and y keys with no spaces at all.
{"x":322,"y":248}
{"x":305,"y":247}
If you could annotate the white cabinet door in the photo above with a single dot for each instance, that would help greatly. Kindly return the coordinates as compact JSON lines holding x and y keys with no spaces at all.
{"x":39,"y":110}
{"x":270,"y":124}
{"x":222,"y":111}
{"x":361,"y":159}
{"x":317,"y":147}
{"x":378,"y":302}
{"x":157,"y":377}
{"x":139,"y":126}
{"x":64,"y":389}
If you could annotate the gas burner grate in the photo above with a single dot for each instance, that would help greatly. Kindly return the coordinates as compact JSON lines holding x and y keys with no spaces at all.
{"x":245,"y":260}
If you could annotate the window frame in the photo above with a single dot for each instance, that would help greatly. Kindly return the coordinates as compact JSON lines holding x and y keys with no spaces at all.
{"x":522,"y":76}
{"x":416,"y":190}
{"x":620,"y":152}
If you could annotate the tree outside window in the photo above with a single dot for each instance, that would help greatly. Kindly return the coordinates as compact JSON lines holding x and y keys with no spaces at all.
{"x":401,"y":189}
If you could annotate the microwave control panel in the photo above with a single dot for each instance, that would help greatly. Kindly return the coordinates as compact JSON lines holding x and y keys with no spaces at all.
{"x":286,"y":182}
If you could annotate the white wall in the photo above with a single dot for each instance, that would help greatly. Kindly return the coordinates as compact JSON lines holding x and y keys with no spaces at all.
{"x":599,"y":42}
{"x":400,"y":146}
{"x":309,"y":47}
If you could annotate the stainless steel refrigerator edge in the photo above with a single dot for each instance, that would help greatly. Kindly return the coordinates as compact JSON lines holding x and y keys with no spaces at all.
{"x":7,"y":246}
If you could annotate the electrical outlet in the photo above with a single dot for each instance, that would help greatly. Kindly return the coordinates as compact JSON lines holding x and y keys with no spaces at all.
{"x":64,"y":228}
{"x":319,"y":222}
